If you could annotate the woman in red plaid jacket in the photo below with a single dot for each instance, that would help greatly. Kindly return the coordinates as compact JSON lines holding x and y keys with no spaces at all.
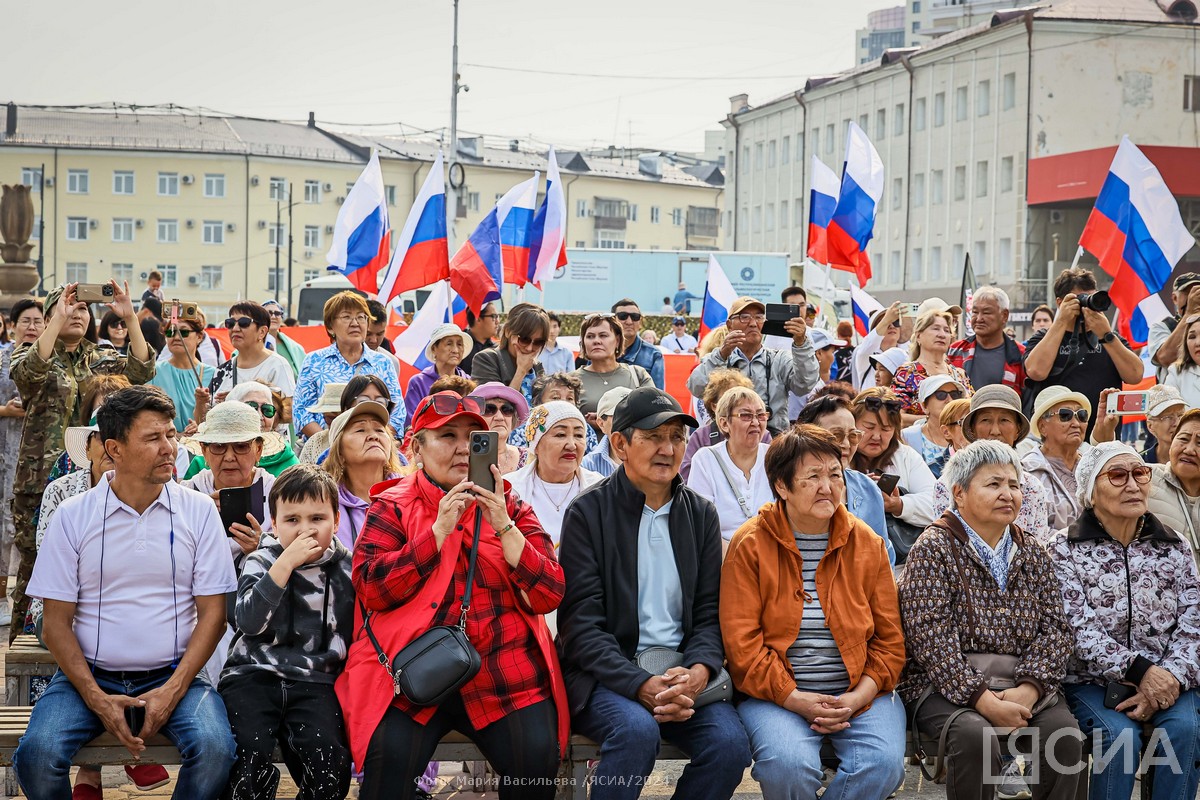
{"x":410,"y":565}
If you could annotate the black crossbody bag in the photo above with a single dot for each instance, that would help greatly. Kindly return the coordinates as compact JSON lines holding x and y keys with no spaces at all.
{"x":441,"y":660}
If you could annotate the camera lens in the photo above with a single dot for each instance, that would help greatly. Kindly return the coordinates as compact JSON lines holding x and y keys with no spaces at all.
{"x":1096,"y":301}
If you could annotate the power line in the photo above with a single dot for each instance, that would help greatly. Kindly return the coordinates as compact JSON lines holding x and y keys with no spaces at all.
{"x":790,"y":76}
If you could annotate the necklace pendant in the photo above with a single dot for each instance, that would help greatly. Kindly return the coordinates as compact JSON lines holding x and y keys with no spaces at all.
{"x":606,"y":383}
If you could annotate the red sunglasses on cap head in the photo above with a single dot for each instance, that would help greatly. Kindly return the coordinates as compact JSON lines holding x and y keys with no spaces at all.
{"x":438,"y":409}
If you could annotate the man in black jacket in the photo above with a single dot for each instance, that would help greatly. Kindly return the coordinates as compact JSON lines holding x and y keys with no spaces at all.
{"x":642,"y":580}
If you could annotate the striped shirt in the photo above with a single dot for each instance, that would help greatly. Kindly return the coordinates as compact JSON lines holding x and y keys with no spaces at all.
{"x":816,"y":661}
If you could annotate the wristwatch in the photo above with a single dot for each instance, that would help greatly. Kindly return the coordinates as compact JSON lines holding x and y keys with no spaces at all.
{"x":1108,"y":337}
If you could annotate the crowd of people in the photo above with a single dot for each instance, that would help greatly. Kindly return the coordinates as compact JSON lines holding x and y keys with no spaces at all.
{"x":829,"y":543}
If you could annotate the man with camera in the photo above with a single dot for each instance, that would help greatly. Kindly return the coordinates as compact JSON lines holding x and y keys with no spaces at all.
{"x":1166,"y":336}
{"x":1079,"y":350}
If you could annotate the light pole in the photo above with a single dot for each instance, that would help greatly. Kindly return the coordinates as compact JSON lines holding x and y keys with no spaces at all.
{"x":455,"y":87}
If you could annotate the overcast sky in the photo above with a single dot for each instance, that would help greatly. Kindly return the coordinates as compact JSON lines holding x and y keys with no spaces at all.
{"x":668,"y":66}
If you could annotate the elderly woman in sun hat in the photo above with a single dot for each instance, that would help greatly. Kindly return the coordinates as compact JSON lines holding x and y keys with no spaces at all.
{"x":448,"y":345}
{"x":553,"y":476}
{"x":505,"y":409}
{"x":996,"y":415}
{"x":1060,"y":416}
{"x":925,"y":435}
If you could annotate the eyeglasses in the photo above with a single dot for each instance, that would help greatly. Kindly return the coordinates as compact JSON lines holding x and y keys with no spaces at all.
{"x":220,"y":448}
{"x":853,"y":436}
{"x":267,"y":409}
{"x":1066,"y":415}
{"x":347,"y":319}
{"x":505,"y":408}
{"x":275,"y":313}
{"x":1118,"y":476}
{"x":241,"y":322}
{"x":525,"y":341}
{"x":746,"y":319}
{"x":749,"y":416}
{"x":1168,"y":419}
{"x":32,"y":322}
{"x":362,"y":398}
{"x":633,"y":315}
{"x":445,"y":405}
{"x":182,"y":332}
{"x":943,"y":395}
{"x":876,"y":403}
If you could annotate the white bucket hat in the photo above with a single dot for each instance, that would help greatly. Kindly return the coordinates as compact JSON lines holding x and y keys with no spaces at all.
{"x":544,"y":417}
{"x":331,"y":400}
{"x":75,"y":442}
{"x":444,"y":331}
{"x":231,"y":422}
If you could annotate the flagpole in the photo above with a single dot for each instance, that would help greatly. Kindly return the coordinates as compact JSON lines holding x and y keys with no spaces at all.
{"x":1078,"y":255}
{"x":451,"y":189}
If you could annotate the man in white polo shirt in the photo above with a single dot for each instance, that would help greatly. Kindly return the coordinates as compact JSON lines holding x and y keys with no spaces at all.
{"x":133,"y":574}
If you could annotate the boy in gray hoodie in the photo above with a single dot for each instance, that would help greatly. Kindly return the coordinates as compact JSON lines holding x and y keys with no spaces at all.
{"x":295,"y":620}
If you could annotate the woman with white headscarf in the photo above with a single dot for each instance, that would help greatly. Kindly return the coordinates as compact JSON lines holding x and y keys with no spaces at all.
{"x":553,"y":475}
{"x":1131,"y":592}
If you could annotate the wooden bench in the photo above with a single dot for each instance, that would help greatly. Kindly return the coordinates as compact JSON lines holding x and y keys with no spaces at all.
{"x":26,"y":659}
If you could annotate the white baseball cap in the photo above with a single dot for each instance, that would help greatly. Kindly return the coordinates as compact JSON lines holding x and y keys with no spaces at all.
{"x":933,"y":383}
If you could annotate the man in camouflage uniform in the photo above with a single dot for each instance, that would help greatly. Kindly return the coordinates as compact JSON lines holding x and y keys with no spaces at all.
{"x":51,"y":374}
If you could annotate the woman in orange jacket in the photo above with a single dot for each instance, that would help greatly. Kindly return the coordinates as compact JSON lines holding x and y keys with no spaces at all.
{"x":811,"y":623}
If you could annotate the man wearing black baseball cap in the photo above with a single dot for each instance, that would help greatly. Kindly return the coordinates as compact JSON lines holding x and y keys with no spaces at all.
{"x":641,"y":553}
{"x":1166,"y":335}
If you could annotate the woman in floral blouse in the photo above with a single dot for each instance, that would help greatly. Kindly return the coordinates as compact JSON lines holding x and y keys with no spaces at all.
{"x":932,"y":334}
{"x":1132,"y":593}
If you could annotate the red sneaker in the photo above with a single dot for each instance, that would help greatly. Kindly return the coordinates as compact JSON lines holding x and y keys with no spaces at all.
{"x":146,"y":776}
{"x":85,"y":791}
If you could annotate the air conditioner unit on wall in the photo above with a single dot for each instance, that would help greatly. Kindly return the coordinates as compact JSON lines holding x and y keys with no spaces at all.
{"x":231,"y":227}
{"x":1057,"y":217}
{"x":341,"y":200}
{"x":262,"y":223}
{"x":254,"y":181}
{"x":191,"y":223}
{"x":48,"y":182}
{"x":328,"y":187}
{"x":193,"y":280}
{"x":328,"y":229}
{"x":188,"y":180}
{"x":141,"y":223}
{"x":93,"y":224}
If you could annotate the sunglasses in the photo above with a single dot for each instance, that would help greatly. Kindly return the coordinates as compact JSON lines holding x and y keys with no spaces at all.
{"x":876,"y":403}
{"x":362,"y":398}
{"x":525,"y":341}
{"x":267,"y":409}
{"x":633,"y":315}
{"x":241,"y":322}
{"x":943,"y":395}
{"x":1066,"y":415}
{"x":170,"y":333}
{"x":118,"y":324}
{"x":505,"y":408}
{"x":278,"y":314}
{"x":1118,"y":476}
{"x":220,"y":448}
{"x":444,"y":405}
{"x":750,"y":416}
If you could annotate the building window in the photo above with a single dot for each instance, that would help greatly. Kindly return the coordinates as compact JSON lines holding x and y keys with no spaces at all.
{"x":76,"y":272}
{"x":898,"y":120}
{"x":312,"y":191}
{"x":758,"y":155}
{"x":580,"y":206}
{"x":579,"y":243}
{"x":77,"y":229}
{"x":916,"y":26}
{"x":979,"y":258}
{"x":939,"y":109}
{"x":168,"y":184}
{"x":935,"y":265}
{"x":783,"y":215}
{"x":894,"y":268}
{"x":960,"y":104}
{"x":816,"y":140}
{"x":32,"y":177}
{"x":350,"y":188}
{"x":473,"y":203}
{"x":1009,"y":91}
{"x":214,"y":232}
{"x":676,"y":216}
{"x":916,"y":7}
{"x":771,"y":153}
{"x":800,"y":146}
{"x":389,"y":193}
{"x":958,"y":261}
{"x":77,"y":181}
{"x":123,"y":181}
{"x":122,"y":272}
{"x":1191,"y":92}
{"x":769,"y":221}
{"x":981,"y":178}
{"x":275,"y":279}
{"x":897,"y":193}
{"x":864,"y":122}
{"x":210,"y":277}
{"x":122,"y":230}
{"x":983,"y":99}
{"x":170,"y":273}
{"x":631,"y":212}
{"x":960,"y":182}
{"x":610,"y":240}
{"x":881,"y":123}
{"x":168,"y":231}
{"x":1006,"y":174}
{"x":37,"y":227}
{"x":798,"y":213}
{"x":279,"y":189}
{"x":937,"y":187}
{"x":756,"y":222}
{"x":276,"y":235}
{"x":829,"y":138}
{"x":214,"y":185}
{"x":312,"y":236}
{"x":745,"y":156}
{"x":916,"y":270}
{"x":918,"y":190}
{"x":311,"y":274}
{"x":785,"y":150}
{"x":1004,"y":258}
{"x":655,"y":214}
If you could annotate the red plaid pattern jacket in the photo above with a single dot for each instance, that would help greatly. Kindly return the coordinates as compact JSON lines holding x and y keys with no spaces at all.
{"x":962,"y":353}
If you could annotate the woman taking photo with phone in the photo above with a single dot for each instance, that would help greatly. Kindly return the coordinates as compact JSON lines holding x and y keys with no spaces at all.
{"x":411,"y":562}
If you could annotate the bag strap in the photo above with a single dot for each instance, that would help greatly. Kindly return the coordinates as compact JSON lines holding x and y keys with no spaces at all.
{"x":939,"y":759}
{"x":743,"y":501}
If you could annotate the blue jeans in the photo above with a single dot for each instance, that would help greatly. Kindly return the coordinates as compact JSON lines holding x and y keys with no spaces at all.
{"x":787,"y":752}
{"x":1178,"y":727}
{"x":713,"y":738}
{"x":62,"y":723}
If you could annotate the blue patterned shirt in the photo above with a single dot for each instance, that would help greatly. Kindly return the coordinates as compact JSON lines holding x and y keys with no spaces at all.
{"x":600,"y":459}
{"x":328,"y":365}
{"x":997,"y":560}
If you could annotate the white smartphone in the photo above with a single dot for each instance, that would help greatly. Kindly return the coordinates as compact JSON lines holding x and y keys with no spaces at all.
{"x":1125,"y":404}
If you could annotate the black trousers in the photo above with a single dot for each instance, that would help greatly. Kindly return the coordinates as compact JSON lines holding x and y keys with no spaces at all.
{"x":304,"y":718}
{"x":522,"y":747}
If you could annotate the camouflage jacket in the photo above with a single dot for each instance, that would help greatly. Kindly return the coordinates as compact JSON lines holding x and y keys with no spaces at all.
{"x":52,"y":392}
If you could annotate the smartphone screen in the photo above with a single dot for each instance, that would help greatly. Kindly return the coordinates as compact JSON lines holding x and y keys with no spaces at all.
{"x":485,"y":449}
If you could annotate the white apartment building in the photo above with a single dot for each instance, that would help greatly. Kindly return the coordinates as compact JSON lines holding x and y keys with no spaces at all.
{"x":995,"y":141}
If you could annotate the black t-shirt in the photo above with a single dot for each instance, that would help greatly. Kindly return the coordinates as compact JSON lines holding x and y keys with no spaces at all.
{"x":1083,"y":365}
{"x":465,"y":366}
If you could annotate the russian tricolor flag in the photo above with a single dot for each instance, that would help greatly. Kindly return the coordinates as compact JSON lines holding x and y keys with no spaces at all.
{"x":497,"y":249}
{"x":718,"y":298}
{"x":410,"y":345}
{"x":1137,"y":233}
{"x":863,"y":306}
{"x":822,"y":203}
{"x":422,"y":252}
{"x":548,"y":237}
{"x":361,"y":238}
{"x":853,"y":222}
